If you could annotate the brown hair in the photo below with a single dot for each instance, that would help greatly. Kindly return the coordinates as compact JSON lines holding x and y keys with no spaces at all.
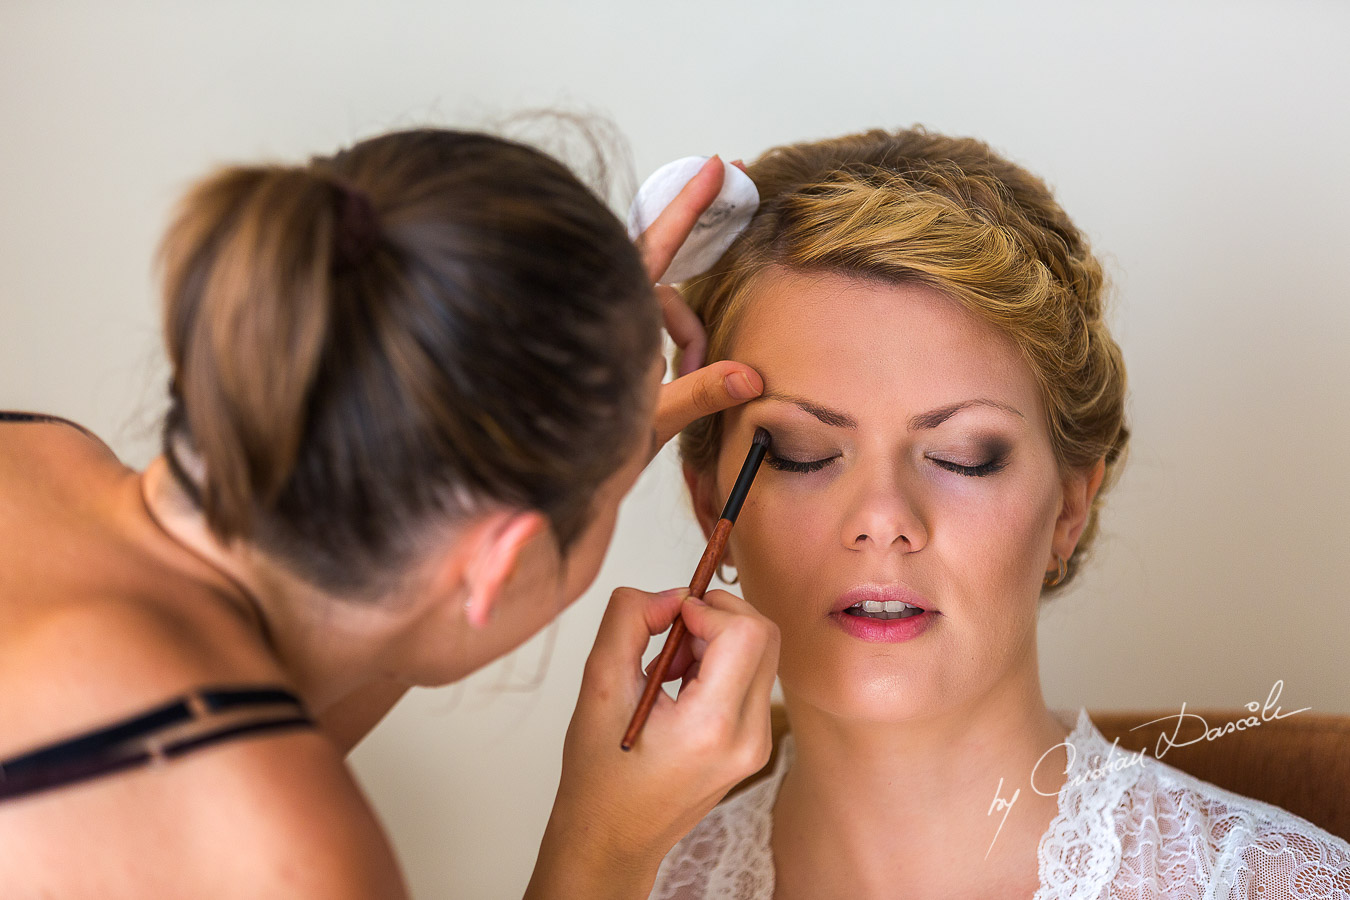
{"x":911,"y":206}
{"x":383,"y":339}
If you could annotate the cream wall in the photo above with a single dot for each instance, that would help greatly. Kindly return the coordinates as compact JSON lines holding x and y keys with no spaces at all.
{"x":1201,"y":145}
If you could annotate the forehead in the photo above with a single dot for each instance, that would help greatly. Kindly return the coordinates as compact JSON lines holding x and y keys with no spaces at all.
{"x":836,"y":335}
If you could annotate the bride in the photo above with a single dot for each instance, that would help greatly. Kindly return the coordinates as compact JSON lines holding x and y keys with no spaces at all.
{"x":946,"y":407}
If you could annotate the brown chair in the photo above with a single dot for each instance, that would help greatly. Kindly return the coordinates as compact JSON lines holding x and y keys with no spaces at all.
{"x":1300,"y":763}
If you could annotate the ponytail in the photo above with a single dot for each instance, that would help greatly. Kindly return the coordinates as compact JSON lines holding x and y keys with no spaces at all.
{"x":249,"y":270}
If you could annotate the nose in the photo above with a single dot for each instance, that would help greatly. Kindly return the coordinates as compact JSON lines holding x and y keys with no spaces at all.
{"x":884,"y":516}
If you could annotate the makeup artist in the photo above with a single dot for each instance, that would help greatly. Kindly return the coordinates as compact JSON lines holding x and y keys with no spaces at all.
{"x":411,"y":384}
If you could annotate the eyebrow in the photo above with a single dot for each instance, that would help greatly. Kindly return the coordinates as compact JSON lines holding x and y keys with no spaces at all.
{"x":934,"y":418}
{"x":829,"y":416}
{"x":931,"y":419}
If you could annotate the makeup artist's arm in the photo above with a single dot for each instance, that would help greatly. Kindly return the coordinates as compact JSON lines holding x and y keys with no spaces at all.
{"x":617,"y":814}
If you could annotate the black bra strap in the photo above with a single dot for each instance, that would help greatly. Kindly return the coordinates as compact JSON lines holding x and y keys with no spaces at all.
{"x":42,"y":419}
{"x":195,"y":721}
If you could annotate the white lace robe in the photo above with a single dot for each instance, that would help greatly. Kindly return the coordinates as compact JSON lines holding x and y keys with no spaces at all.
{"x":1144,"y":831}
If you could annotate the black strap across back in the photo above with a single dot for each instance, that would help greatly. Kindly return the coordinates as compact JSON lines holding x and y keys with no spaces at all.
{"x":41,"y":419}
{"x":198,"y":719}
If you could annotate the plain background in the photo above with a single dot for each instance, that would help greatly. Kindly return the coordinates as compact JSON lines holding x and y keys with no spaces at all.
{"x":1202,"y":146}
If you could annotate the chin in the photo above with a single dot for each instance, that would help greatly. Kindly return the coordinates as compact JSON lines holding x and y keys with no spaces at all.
{"x":877,"y":691}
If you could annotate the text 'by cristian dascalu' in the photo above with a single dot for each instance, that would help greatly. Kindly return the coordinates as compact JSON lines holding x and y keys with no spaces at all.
{"x":1117,"y":760}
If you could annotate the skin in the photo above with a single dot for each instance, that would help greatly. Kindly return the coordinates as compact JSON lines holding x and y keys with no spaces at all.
{"x":114,"y":597}
{"x":900,"y":747}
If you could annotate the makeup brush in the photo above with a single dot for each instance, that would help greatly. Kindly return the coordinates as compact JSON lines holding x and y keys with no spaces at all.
{"x":712,"y":556}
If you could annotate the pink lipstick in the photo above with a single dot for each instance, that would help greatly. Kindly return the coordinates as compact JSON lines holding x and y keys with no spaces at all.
{"x":883,"y":613}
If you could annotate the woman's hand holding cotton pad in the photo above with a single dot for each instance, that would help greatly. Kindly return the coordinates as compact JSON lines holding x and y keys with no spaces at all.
{"x":716,"y":228}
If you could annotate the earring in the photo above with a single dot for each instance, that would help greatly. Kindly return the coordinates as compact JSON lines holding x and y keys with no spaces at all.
{"x":1054,"y":580}
{"x":722,"y":575}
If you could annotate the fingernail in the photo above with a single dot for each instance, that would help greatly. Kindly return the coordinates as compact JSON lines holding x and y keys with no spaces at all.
{"x":740,"y":387}
{"x":673,"y":592}
{"x":697,"y":601}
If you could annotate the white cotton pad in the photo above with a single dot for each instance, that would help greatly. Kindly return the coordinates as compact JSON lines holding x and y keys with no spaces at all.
{"x":716,"y":228}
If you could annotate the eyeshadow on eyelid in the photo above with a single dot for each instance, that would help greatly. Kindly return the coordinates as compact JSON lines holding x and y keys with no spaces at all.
{"x":994,"y":446}
{"x":796,"y":439}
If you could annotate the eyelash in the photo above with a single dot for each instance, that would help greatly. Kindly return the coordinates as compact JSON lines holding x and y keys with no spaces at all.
{"x":782,"y":464}
{"x":980,"y":471}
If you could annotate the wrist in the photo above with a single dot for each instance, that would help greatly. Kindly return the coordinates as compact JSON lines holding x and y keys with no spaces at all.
{"x":579,"y":860}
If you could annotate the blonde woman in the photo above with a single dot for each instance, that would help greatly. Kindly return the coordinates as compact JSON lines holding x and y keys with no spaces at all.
{"x":947,"y":409}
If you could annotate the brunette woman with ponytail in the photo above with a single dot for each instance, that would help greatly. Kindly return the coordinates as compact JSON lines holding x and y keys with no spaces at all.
{"x":411,"y":383}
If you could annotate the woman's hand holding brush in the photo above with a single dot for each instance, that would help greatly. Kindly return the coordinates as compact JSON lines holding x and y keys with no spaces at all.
{"x":618,"y":813}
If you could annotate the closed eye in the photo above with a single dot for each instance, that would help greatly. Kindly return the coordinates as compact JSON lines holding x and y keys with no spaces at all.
{"x":983,"y":469}
{"x":803,"y":467}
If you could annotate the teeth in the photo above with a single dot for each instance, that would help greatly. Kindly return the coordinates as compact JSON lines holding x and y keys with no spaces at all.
{"x":876,"y":606}
{"x":885,"y":609}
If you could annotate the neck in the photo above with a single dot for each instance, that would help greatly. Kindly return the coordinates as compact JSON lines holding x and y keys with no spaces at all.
{"x":890,"y":804}
{"x":329,"y":646}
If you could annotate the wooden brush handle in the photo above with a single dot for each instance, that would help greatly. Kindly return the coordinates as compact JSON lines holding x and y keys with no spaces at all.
{"x":656,"y":675}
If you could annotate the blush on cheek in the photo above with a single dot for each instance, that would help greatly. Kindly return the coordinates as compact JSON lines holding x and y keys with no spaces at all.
{"x":1013,"y":537}
{"x":780,"y":558}
{"x":1015,"y":523}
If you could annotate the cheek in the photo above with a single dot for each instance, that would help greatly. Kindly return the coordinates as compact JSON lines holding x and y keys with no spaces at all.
{"x":1007,"y":535}
{"x":778,"y":548}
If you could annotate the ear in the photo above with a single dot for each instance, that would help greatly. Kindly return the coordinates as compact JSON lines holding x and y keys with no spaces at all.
{"x":493,"y":551}
{"x":1080,"y":489}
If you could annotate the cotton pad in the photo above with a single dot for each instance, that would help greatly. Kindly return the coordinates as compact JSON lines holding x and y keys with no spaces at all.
{"x":716,"y":228}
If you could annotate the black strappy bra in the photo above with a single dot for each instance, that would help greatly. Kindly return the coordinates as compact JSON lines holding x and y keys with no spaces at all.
{"x":41,"y":418}
{"x":198,"y":719}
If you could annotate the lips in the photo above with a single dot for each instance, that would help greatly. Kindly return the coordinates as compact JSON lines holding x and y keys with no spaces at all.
{"x":883,"y":614}
{"x":878,"y":597}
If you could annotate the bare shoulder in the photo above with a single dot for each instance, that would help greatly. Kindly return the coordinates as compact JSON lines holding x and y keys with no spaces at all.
{"x":271,"y":813}
{"x":45,"y":444}
{"x":68,"y":666}
{"x":268,"y":816}
{"x":284,"y":815}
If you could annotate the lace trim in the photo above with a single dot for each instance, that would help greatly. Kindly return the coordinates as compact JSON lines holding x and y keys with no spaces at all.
{"x":727,"y":855}
{"x":1080,"y":847}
